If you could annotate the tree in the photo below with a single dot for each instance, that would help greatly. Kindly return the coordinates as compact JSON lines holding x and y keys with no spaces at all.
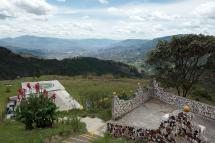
{"x":180,"y":62}
{"x":37,"y":72}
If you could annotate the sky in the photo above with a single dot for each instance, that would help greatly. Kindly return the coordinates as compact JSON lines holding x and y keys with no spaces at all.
{"x":106,"y":19}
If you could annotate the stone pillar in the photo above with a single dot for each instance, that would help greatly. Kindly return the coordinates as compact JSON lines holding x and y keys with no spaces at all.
{"x":114,"y":98}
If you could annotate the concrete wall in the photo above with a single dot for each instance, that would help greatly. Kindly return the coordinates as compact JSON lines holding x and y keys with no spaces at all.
{"x":169,"y":98}
{"x":121,"y":107}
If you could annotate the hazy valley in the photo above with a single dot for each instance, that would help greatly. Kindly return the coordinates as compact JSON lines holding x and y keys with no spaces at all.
{"x":128,"y":51}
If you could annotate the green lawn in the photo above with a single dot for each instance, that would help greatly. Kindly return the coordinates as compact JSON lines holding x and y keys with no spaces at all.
{"x":14,"y":132}
{"x":109,"y":139}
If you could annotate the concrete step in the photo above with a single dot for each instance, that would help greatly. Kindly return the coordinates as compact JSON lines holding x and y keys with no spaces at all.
{"x":84,"y":138}
{"x":66,"y":142}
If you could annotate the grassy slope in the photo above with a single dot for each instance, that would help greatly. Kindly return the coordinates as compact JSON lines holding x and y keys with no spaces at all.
{"x":109,"y":139}
{"x":14,"y":132}
{"x":78,"y":85}
{"x":75,"y":85}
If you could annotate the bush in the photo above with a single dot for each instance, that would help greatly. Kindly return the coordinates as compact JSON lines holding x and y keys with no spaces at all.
{"x":95,"y":99}
{"x":201,"y":93}
{"x":76,"y":124}
{"x":38,"y":110}
{"x":124,"y":96}
{"x":7,"y":89}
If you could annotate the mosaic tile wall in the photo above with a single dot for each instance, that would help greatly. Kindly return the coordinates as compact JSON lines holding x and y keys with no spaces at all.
{"x":120,"y":107}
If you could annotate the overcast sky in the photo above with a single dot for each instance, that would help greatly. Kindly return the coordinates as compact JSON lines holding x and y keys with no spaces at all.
{"x":113,"y":19}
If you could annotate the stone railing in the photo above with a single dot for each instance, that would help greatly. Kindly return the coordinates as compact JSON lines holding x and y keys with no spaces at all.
{"x":120,"y":107}
{"x":169,"y":98}
{"x":176,"y":129}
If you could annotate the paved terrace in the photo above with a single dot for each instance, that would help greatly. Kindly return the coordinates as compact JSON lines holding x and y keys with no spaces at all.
{"x":149,"y":116}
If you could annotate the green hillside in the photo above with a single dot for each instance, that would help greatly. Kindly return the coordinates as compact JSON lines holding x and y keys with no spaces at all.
{"x":13,"y":65}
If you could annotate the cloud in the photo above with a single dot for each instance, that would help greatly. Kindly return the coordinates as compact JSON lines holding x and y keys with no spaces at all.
{"x":38,"y":7}
{"x":206,"y":10}
{"x":61,"y":0}
{"x":14,"y":8}
{"x":5,"y":14}
{"x":103,"y":1}
{"x":124,"y":21}
{"x":6,"y":9}
{"x":140,"y":13}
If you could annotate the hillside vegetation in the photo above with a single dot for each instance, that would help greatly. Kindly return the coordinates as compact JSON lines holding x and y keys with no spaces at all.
{"x":13,"y":65}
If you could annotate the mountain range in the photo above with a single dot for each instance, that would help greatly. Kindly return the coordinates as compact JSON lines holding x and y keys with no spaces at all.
{"x":128,"y":51}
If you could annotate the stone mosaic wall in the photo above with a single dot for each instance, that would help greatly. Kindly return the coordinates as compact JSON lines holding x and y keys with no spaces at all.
{"x":196,"y":107}
{"x":176,"y":129}
{"x":120,"y":107}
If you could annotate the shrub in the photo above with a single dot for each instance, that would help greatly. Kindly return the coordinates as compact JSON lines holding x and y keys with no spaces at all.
{"x":7,"y":89}
{"x":124,"y":96}
{"x":36,"y":109}
{"x":76,"y":124}
{"x":201,"y":93}
{"x":95,"y":99}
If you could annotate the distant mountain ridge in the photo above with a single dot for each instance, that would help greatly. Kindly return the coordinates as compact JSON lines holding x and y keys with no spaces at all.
{"x":13,"y":65}
{"x":55,"y":47}
{"x":132,"y":51}
{"x":127,"y":51}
